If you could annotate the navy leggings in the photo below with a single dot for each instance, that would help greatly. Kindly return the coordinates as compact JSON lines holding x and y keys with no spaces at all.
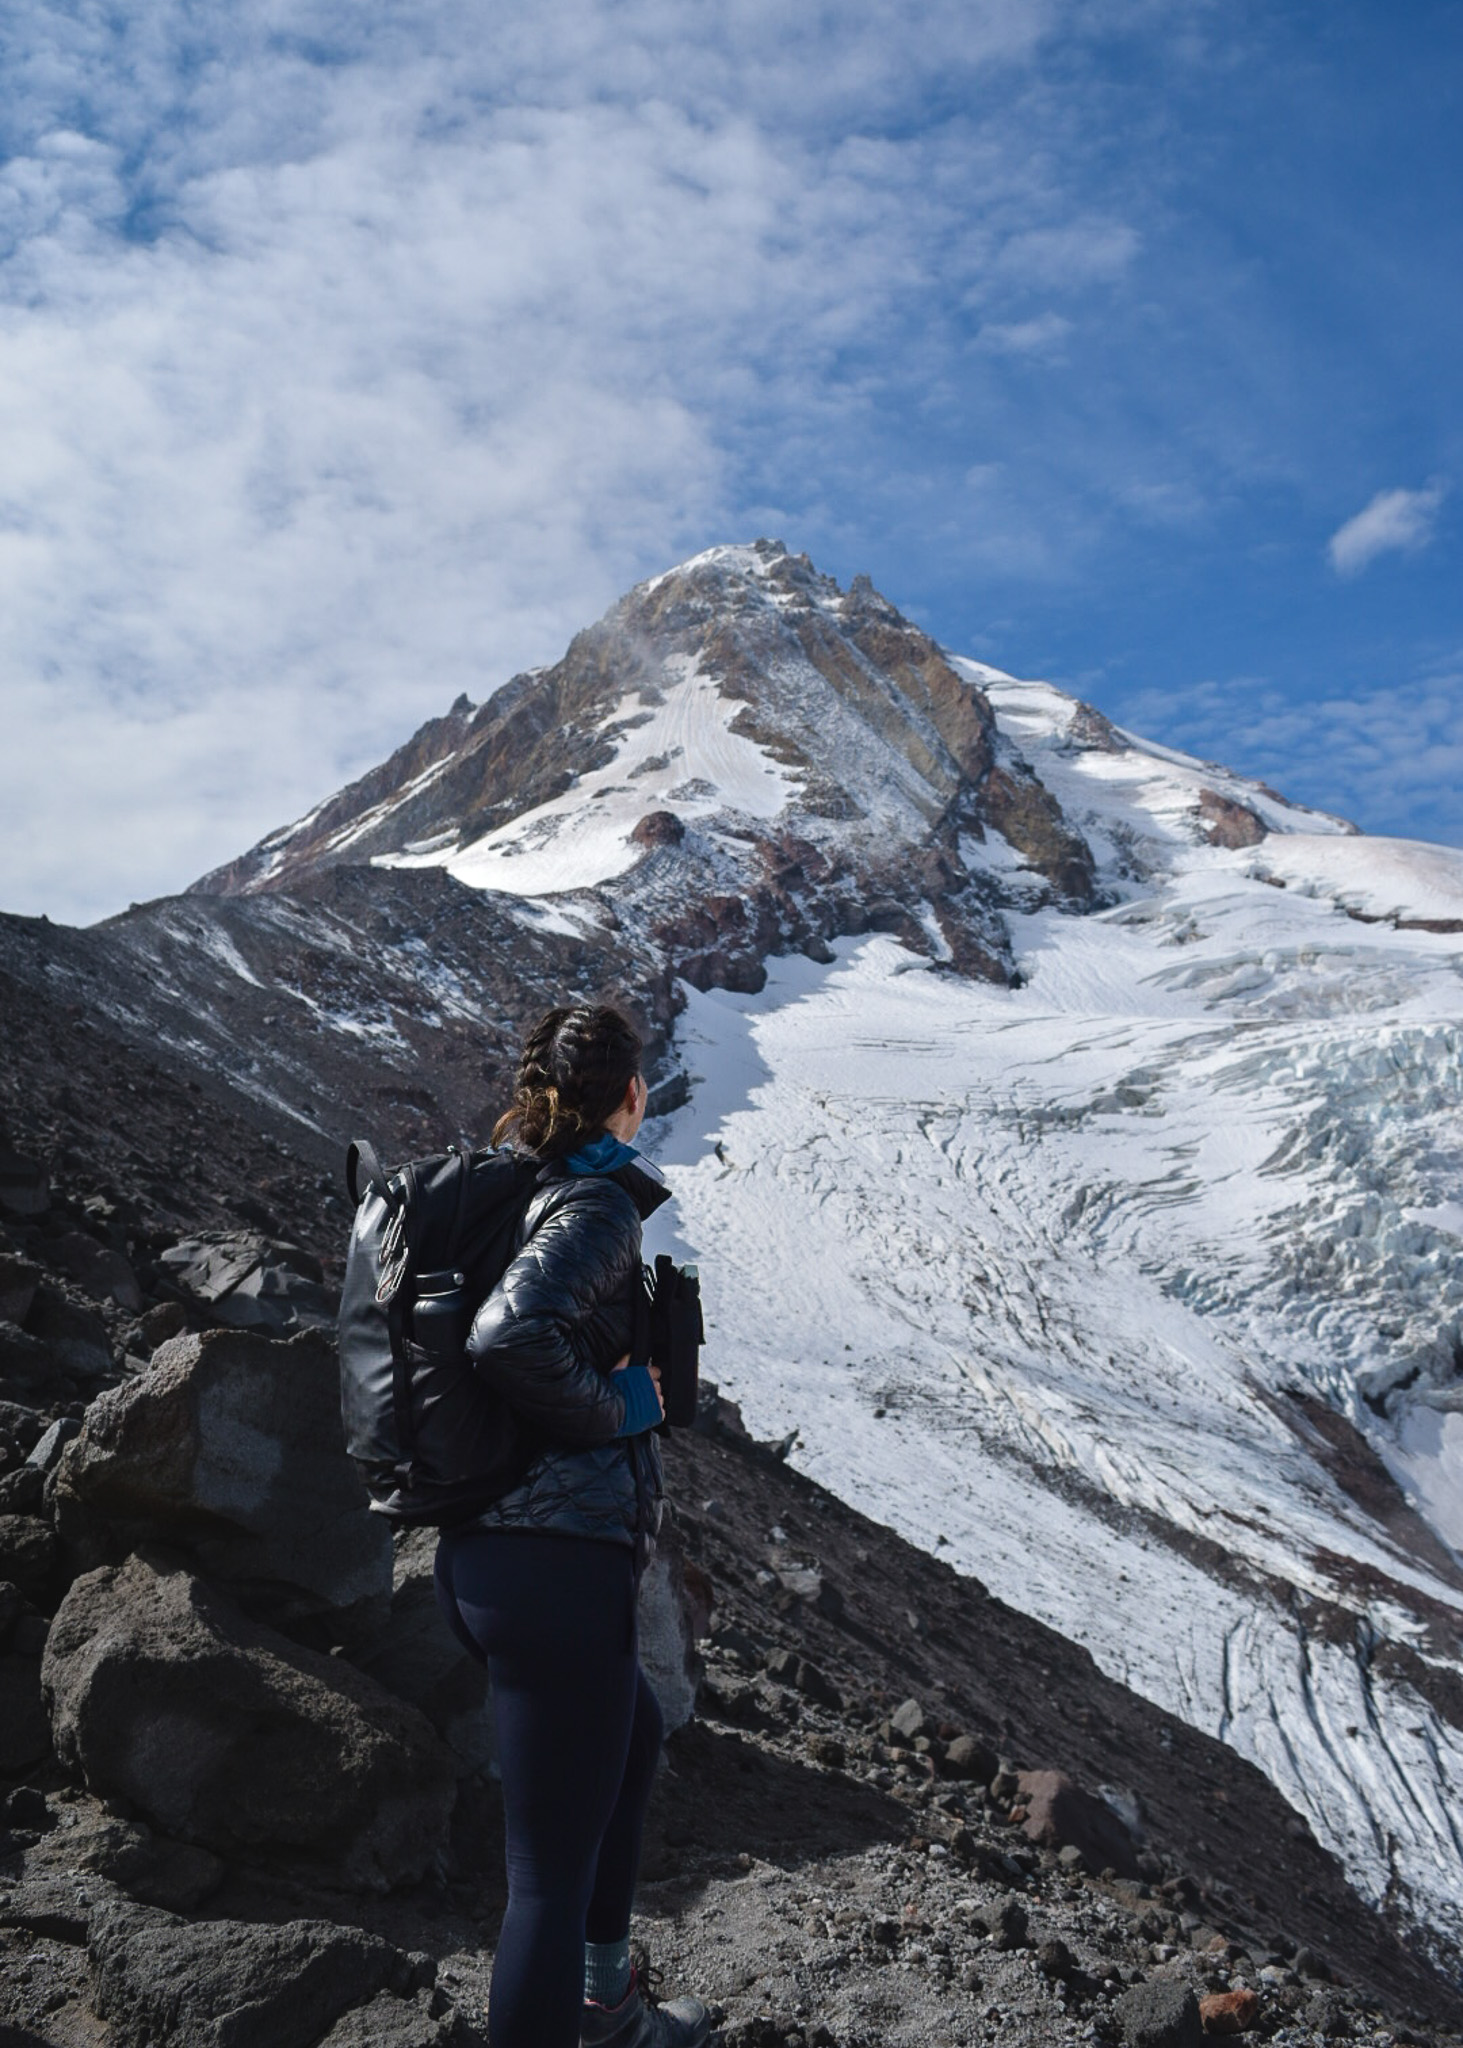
{"x":578,"y":1735}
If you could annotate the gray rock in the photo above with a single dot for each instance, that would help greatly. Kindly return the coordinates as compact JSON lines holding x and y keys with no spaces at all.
{"x":392,"y":2022}
{"x":161,"y":1983}
{"x":252,"y":1283}
{"x":149,"y":1867}
{"x":28,"y":1368}
{"x":98,"y":1270}
{"x":58,"y":1904}
{"x":75,"y":1336}
{"x":229,"y":1448}
{"x":416,"y":1656}
{"x":10,"y":1605}
{"x":46,"y":1453}
{"x":23,"y":1491}
{"x":1006,"y":1923}
{"x":28,"y":1556}
{"x":25,"y":1730}
{"x":228,"y":1735}
{"x":790,"y":1669}
{"x":26,"y":1425}
{"x":165,"y":1319}
{"x":968,"y":1759}
{"x":910,"y":1720}
{"x":1161,"y":2013}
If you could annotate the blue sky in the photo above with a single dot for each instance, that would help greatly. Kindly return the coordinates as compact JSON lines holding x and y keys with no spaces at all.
{"x":353,"y":358}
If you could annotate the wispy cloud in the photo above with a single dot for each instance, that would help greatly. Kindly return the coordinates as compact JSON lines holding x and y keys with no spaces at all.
{"x":1039,"y":337}
{"x":1394,"y":521}
{"x":1389,"y":759}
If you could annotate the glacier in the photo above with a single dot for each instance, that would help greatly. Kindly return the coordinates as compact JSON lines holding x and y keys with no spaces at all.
{"x":1136,"y":1290}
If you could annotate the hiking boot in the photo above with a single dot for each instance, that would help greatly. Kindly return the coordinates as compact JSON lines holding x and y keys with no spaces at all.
{"x":641,"y":2021}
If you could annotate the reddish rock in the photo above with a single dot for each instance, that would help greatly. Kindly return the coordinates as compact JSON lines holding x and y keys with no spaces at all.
{"x":1227,"y":823}
{"x":659,"y":828}
{"x":1059,"y":1813}
{"x":1229,"y":2012}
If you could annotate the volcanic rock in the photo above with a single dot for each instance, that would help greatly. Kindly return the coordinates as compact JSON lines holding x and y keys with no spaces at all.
{"x":967,"y":1758}
{"x":1059,"y":1812}
{"x":1229,"y":2012}
{"x":76,"y":1336}
{"x":178,"y":1876}
{"x":230,"y":1449}
{"x":97,"y":1270}
{"x":1162,"y":2013}
{"x":251,"y":1283}
{"x":161,"y":1983}
{"x":392,"y":2022}
{"x":27,"y":1555}
{"x":226,"y":1734}
{"x":1225,"y":822}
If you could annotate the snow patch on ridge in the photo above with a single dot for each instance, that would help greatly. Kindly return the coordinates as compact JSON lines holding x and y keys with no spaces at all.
{"x":679,"y":754}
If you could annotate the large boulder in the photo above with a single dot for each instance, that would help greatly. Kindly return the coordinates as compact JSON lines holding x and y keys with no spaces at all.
{"x":1161,"y":2013}
{"x":224,"y":1733}
{"x":229,"y":1449}
{"x":1060,"y":1814}
{"x":160,"y":1982}
{"x":74,"y":1334}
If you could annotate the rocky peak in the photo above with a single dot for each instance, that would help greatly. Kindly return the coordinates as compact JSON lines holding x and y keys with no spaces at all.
{"x":739,"y":758}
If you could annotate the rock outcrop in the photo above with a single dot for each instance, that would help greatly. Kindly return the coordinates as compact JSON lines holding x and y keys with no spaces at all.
{"x":229,"y":1450}
{"x":226,"y":1734}
{"x":163,"y":1983}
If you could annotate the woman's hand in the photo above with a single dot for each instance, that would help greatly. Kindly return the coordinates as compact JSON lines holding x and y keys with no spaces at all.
{"x":654,"y":1371}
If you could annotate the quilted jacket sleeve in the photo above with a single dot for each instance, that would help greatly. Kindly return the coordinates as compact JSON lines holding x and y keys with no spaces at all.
{"x":522,"y":1338}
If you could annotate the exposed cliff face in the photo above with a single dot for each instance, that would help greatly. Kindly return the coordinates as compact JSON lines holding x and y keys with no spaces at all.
{"x":820,"y":754}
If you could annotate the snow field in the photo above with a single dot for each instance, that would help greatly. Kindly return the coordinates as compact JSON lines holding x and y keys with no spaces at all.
{"x":1031,"y":1272}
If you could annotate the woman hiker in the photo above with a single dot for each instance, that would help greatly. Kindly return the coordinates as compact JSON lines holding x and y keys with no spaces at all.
{"x":541,"y":1586}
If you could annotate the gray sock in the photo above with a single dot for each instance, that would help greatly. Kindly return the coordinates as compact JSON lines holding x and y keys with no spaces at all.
{"x":607,"y":1970}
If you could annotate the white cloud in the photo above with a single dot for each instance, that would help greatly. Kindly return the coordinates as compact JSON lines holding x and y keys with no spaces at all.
{"x":1040,"y":337}
{"x":1394,"y":520}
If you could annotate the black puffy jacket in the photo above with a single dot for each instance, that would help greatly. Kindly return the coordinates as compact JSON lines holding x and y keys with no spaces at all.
{"x":548,"y":1337}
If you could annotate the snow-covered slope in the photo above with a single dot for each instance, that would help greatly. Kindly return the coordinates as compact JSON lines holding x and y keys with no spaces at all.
{"x":1137,"y":1289}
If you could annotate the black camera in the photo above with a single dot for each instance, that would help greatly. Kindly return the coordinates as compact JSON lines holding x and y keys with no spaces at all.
{"x":677,"y":1333}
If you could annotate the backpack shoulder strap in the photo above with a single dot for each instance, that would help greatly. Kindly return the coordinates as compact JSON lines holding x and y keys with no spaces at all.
{"x":459,"y":1215}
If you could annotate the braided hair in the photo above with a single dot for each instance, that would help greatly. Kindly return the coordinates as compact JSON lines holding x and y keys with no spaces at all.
{"x":575,"y":1066}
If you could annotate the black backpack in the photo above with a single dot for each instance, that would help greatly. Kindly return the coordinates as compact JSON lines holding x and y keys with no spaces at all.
{"x":430,"y":1240}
